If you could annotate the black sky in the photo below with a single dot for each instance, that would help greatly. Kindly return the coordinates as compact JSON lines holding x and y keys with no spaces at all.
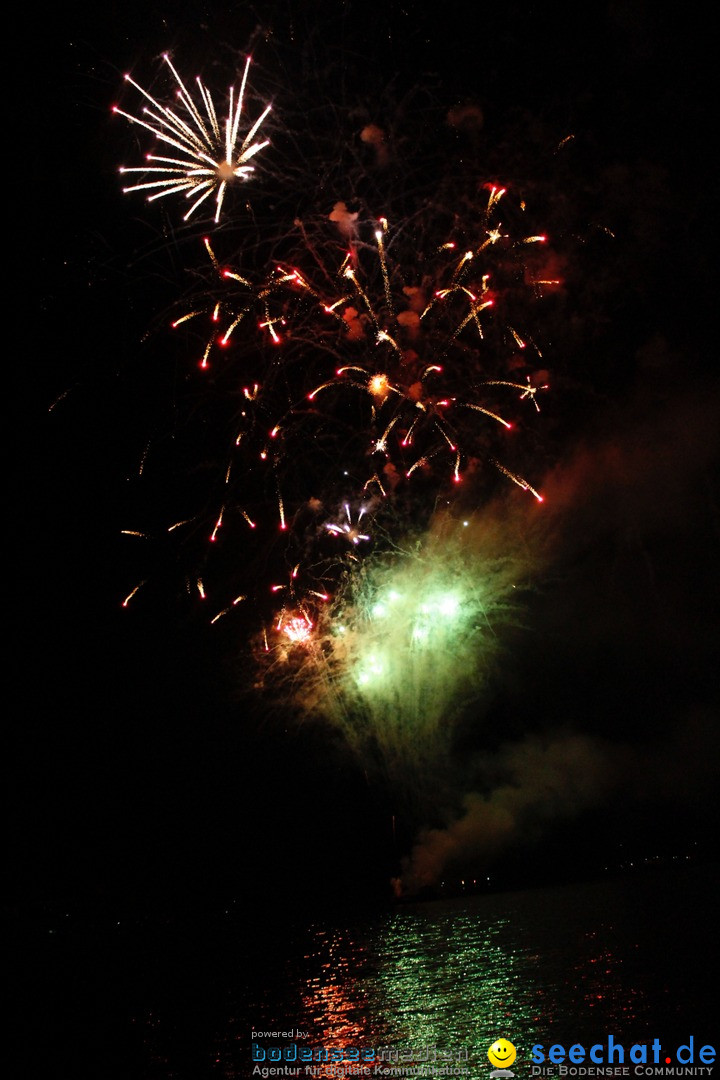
{"x":139,"y":769}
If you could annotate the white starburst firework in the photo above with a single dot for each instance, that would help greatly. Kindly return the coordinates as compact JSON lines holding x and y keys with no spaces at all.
{"x":212,"y":154}
{"x":350,"y":529}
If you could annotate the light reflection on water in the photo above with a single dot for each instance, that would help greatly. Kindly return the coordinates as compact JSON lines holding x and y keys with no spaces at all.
{"x":568,"y":964}
{"x":458,"y":973}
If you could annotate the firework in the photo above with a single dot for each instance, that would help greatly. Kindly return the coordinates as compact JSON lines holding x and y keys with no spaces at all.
{"x":350,"y":529}
{"x":361,"y":386}
{"x":382,"y":369}
{"x":209,"y":153}
{"x":410,"y":638}
{"x":425,"y":348}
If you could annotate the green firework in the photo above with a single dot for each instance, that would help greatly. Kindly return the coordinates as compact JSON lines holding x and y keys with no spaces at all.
{"x":410,"y":641}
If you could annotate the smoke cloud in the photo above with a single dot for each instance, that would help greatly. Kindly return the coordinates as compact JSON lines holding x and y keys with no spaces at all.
{"x":622,"y":544}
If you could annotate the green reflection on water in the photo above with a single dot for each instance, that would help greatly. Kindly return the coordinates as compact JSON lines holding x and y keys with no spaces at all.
{"x":461,"y":974}
{"x":454,"y":981}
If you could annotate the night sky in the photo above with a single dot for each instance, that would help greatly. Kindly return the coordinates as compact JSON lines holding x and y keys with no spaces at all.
{"x":144,"y":773}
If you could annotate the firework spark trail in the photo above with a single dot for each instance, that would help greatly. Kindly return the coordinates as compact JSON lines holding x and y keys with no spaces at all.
{"x":225,"y":314}
{"x":211,"y":155}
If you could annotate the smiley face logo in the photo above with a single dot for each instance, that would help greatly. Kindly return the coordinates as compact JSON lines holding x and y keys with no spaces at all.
{"x":502,"y":1054}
